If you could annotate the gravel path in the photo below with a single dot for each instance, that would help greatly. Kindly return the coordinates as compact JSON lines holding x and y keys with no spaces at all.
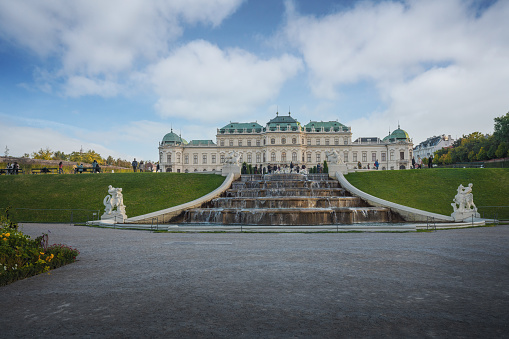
{"x":126,"y":283}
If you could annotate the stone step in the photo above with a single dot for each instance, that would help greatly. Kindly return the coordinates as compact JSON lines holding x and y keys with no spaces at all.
{"x":287,"y":202}
{"x":285,"y":192}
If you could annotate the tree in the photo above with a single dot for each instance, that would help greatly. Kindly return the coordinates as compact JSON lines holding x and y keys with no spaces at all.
{"x":482,"y":155}
{"x":502,"y":150}
{"x":44,"y":154}
{"x":325,"y":167}
{"x":59,"y":155}
{"x":502,"y":128}
{"x":110,"y":160}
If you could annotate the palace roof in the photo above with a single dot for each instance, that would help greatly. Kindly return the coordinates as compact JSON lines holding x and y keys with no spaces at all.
{"x":173,"y":139}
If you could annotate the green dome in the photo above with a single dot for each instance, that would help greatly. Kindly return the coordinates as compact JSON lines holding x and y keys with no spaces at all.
{"x":397,"y":135}
{"x":172,"y":139}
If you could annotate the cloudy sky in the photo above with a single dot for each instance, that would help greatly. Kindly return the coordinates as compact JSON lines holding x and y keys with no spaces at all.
{"x":115,"y":76}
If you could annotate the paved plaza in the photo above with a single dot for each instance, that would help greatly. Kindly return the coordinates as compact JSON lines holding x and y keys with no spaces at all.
{"x":130,"y":284}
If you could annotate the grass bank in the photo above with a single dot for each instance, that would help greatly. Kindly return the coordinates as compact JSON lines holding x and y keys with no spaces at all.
{"x":433,"y":190}
{"x":143,"y":192}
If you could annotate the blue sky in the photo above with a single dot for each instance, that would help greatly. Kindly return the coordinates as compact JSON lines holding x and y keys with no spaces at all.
{"x":116,"y":76}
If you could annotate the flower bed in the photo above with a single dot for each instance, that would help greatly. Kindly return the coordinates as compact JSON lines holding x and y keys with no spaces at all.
{"x":22,"y":257}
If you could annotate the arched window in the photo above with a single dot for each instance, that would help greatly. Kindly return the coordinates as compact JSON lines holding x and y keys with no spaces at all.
{"x":272,"y":156}
{"x":294,"y":141}
{"x":272,"y":141}
{"x":283,"y":156}
{"x":294,"y":156}
{"x":283,"y":141}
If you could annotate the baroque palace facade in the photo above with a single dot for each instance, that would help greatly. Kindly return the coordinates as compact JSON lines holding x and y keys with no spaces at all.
{"x":281,"y":141}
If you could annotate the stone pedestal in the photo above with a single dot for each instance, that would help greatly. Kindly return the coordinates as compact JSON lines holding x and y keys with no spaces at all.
{"x":231,"y":168}
{"x":461,"y":216}
{"x":116,"y":217}
{"x":333,"y":168}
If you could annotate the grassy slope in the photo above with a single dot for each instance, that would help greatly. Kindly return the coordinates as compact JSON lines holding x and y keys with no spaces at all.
{"x":143,"y":192}
{"x":434,"y":190}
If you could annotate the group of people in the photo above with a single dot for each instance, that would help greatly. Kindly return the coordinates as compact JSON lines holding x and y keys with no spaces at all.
{"x":376,"y":165}
{"x":12,"y":168}
{"x":418,"y":164}
{"x":142,"y":167}
{"x":80,"y":169}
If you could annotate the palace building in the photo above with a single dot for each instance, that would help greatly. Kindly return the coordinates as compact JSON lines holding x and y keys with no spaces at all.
{"x":281,"y":141}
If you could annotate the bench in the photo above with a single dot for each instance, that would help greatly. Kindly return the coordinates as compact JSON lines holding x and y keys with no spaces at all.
{"x":45,"y":170}
{"x":86,"y":169}
{"x":10,"y":171}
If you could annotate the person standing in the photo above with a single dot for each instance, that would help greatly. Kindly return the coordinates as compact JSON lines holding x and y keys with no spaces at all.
{"x":94,"y":166}
{"x":376,"y":164}
{"x":61,"y":168}
{"x":135,"y":164}
{"x":430,"y":161}
{"x":413,"y":162}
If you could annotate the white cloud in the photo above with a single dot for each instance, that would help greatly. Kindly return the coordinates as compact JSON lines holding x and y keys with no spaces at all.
{"x":96,"y":39}
{"x":199,"y":80}
{"x":438,"y":65}
{"x":125,"y":140}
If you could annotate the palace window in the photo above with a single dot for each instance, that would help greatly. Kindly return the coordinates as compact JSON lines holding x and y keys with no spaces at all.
{"x":258,"y":142}
{"x":327,"y":141}
{"x":294,"y":141}
{"x":258,"y":157}
{"x":204,"y":158}
{"x":309,"y":141}
{"x":283,"y":141}
{"x":168,"y":158}
{"x":318,"y":141}
{"x":345,"y":141}
{"x":373,"y":156}
{"x":384,"y":156}
{"x":249,"y":159}
{"x":222,"y":142}
{"x":392,"y":156}
{"x":221,"y":158}
{"x":186,"y":159}
{"x":402,"y":155}
{"x":273,"y":156}
{"x":354,"y":156}
{"x":336,"y":141}
{"x":364,"y":156}
{"x":231,"y":143}
{"x":283,"y":156}
{"x":272,"y":141}
{"x":294,"y":156}
{"x":240,"y":142}
{"x":345,"y":156}
{"x":213,"y":158}
{"x":308,"y":157}
{"x":178,"y":158}
{"x":249,"y":142}
{"x":318,"y":157}
{"x":195,"y":159}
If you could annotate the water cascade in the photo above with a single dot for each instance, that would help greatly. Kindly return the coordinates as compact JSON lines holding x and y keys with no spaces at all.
{"x":287,"y":199}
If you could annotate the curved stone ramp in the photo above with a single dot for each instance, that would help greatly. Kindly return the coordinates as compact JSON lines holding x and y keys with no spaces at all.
{"x":166,"y":215}
{"x":407,"y":213}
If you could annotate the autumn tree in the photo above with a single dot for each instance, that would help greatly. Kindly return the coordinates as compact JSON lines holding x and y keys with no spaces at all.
{"x":44,"y":154}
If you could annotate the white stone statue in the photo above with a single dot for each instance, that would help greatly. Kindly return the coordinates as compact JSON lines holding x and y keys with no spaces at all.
{"x":333,"y":157}
{"x":233,"y":158}
{"x":112,"y":201}
{"x":463,"y":204}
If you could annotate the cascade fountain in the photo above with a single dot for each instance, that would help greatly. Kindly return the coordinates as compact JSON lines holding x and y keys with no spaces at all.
{"x":287,"y":199}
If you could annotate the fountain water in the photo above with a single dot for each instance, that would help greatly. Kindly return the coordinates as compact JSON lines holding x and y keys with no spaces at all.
{"x":287,"y":199}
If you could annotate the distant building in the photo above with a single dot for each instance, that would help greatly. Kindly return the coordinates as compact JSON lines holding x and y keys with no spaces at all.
{"x":431,"y":145}
{"x":281,"y":141}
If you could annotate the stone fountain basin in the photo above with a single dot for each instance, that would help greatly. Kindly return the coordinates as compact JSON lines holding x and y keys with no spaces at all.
{"x":289,"y":216}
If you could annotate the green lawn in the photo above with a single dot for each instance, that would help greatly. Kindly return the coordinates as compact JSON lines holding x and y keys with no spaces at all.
{"x":434,"y":190}
{"x":143,"y":192}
